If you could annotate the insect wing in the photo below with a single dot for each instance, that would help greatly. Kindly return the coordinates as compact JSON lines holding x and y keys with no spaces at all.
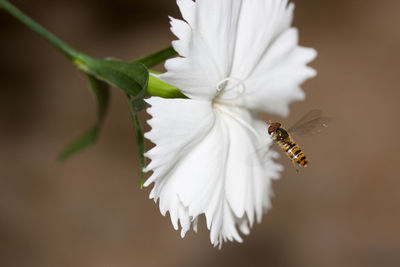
{"x":311,"y":123}
{"x":312,"y":115}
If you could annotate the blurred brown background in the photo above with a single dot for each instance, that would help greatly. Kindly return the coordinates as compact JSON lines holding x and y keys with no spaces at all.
{"x":89,"y":211}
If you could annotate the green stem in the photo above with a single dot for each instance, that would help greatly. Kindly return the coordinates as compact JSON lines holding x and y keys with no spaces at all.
{"x":155,"y":88}
{"x":157,"y":57}
{"x":51,"y":38}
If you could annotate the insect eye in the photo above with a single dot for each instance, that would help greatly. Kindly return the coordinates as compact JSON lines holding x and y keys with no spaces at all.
{"x":271,"y":129}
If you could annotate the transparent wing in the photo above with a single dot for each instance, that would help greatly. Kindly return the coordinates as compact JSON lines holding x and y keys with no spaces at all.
{"x":311,"y":123}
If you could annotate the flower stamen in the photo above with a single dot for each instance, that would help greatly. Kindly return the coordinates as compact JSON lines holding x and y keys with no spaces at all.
{"x":234,"y":116}
{"x":230,"y":89}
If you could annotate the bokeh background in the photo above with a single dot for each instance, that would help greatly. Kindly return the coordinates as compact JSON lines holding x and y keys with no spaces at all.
{"x":89,"y":211}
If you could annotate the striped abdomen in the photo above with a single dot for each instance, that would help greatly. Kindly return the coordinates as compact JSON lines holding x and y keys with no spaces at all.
{"x":294,"y":153}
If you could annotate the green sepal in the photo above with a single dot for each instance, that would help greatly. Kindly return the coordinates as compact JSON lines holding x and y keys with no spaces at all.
{"x":101,"y":92}
{"x":131,"y":77}
{"x":159,"y":88}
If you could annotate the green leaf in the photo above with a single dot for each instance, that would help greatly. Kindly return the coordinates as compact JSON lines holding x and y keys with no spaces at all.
{"x":102,"y":95}
{"x":131,"y":77}
{"x":138,"y":103}
{"x":157,"y":57}
{"x":101,"y":91}
{"x":135,"y":105}
{"x":139,"y":136}
{"x":86,"y":140}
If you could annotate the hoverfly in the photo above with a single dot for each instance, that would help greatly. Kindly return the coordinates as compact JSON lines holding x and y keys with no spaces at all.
{"x":312,"y":122}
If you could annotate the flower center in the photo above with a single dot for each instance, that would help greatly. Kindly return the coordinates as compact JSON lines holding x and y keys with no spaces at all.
{"x":229,"y":89}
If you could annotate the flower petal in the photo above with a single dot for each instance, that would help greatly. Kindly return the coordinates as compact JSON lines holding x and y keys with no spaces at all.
{"x":204,"y":162}
{"x":267,"y":57}
{"x":276,"y":80}
{"x":249,"y":170}
{"x":176,"y":124}
{"x":261,"y":22}
{"x":207,"y":52}
{"x":247,"y":41}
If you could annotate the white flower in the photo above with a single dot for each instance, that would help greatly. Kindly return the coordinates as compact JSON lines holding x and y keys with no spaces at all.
{"x":237,"y":57}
